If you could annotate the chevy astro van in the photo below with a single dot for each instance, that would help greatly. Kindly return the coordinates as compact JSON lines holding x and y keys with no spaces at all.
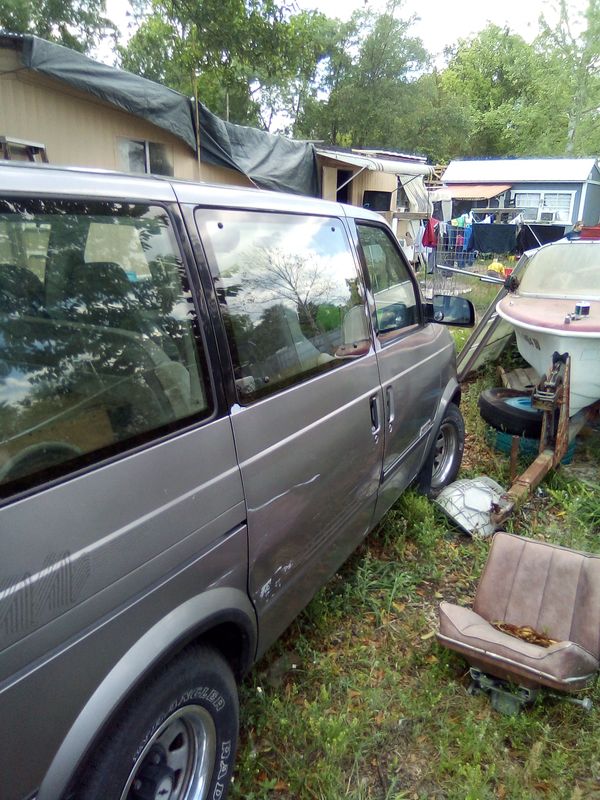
{"x":208,"y":397}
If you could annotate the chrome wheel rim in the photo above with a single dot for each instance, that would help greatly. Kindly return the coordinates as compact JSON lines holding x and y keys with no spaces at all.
{"x":177,"y":762}
{"x":445,"y":448}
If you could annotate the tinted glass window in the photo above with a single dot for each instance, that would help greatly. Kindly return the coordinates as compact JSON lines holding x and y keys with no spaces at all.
{"x":564,"y":269}
{"x":289,"y":294}
{"x":97,"y":347}
{"x":391,"y":284}
{"x":377,"y":201}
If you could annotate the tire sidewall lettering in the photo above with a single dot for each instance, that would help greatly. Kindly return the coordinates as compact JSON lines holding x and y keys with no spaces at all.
{"x":199,"y":677}
{"x":220,"y":785}
{"x":206,"y":694}
{"x":201,"y":694}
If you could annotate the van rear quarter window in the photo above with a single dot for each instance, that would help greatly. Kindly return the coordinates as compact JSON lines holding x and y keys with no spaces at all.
{"x":289,"y":293}
{"x":98,"y":349}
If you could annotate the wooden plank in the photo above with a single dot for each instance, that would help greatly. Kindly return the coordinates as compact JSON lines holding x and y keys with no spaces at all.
{"x":521,"y":379}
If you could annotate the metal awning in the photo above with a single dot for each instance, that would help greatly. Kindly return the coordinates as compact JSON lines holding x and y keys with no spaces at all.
{"x":476,"y":191}
{"x":394,"y":166}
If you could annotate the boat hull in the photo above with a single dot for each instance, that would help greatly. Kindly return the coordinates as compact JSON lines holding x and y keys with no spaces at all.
{"x":537,"y":344}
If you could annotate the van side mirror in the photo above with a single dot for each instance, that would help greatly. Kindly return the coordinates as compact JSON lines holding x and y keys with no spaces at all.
{"x":450,"y":310}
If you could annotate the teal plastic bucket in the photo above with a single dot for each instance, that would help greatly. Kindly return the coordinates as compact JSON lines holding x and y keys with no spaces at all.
{"x":502,"y":442}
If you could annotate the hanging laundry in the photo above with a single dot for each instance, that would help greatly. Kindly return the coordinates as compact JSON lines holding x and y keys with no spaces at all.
{"x":419,"y":247}
{"x":494,"y":238}
{"x":468,"y":238}
{"x":429,"y":237}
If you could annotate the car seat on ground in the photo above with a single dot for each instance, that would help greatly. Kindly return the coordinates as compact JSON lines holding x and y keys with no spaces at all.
{"x":528,"y":584}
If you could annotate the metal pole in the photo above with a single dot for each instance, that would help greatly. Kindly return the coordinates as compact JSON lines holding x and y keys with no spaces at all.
{"x":197,"y":118}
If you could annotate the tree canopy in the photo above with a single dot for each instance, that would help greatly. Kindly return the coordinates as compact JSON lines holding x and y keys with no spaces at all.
{"x":78,"y":24}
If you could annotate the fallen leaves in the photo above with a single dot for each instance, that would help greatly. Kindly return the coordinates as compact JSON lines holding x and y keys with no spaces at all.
{"x":525,"y":632}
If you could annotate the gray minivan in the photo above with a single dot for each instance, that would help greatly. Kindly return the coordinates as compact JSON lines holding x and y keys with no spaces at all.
{"x":208,"y":397}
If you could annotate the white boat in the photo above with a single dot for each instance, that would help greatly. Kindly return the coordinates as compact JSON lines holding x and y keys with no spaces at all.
{"x":556,"y":308}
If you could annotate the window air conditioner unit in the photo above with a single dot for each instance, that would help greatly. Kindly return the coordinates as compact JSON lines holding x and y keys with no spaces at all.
{"x":548,"y":216}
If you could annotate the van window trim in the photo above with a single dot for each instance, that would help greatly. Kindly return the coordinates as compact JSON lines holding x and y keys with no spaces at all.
{"x":236,"y":399}
{"x":109,"y":454}
{"x":390,"y":337}
{"x":213,"y":323}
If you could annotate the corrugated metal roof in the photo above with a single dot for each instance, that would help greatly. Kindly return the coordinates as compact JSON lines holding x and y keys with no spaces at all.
{"x":520,"y":170}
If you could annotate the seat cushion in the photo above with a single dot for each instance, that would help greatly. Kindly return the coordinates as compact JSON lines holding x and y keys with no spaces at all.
{"x":566,"y":665}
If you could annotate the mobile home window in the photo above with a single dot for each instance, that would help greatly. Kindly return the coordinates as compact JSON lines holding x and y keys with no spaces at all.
{"x":545,"y":205}
{"x":559,"y":203}
{"x":529,"y":202}
{"x":140,"y":155}
{"x":377,"y":201}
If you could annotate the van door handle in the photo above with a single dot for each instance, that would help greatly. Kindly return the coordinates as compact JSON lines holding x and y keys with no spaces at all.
{"x":375,"y":416}
{"x":389,"y":401}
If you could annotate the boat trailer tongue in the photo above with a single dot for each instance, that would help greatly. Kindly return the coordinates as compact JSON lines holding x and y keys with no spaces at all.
{"x":479,"y":505}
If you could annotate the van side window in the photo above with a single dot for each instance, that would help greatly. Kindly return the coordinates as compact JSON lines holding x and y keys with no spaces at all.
{"x":391,"y":284}
{"x":289,"y":294}
{"x":98,"y":350}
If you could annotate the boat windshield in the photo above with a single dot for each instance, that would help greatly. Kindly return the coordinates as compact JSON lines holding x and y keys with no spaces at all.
{"x":564,"y":269}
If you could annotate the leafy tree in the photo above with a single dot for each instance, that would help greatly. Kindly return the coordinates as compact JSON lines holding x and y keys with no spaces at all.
{"x":369,"y":81}
{"x":574,"y":71}
{"x":78,"y":24}
{"x":435,"y":124}
{"x":229,"y":50}
{"x":501,"y":83}
{"x":294,"y":80}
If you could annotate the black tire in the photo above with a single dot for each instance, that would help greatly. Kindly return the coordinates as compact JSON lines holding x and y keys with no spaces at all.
{"x":510,"y":411}
{"x":177,"y":733}
{"x":445,"y":456}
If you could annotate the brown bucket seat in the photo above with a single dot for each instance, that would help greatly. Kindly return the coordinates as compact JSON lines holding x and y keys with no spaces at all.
{"x":553,"y":590}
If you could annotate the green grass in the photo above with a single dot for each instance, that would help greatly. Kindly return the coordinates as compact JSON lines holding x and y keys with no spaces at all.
{"x":358,"y":700}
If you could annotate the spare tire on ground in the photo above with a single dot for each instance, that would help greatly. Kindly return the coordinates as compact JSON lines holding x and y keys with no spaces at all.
{"x":511,"y":411}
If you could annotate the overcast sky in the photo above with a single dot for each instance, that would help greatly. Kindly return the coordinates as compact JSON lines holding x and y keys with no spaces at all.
{"x":440,"y":24}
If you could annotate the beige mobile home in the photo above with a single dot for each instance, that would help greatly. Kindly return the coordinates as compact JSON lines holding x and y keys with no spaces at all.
{"x":71,"y":110}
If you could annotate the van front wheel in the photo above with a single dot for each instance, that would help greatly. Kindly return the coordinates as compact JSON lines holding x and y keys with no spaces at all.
{"x":445,"y":456}
{"x":175,"y":739}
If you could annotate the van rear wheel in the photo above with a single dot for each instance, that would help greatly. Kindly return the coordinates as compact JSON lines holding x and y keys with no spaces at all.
{"x":175,"y":739}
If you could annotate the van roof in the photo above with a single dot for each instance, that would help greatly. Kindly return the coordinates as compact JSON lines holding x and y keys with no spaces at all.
{"x":36,"y":180}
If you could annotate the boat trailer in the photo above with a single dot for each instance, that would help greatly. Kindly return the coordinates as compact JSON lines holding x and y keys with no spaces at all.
{"x":551,"y":396}
{"x":478,"y":505}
